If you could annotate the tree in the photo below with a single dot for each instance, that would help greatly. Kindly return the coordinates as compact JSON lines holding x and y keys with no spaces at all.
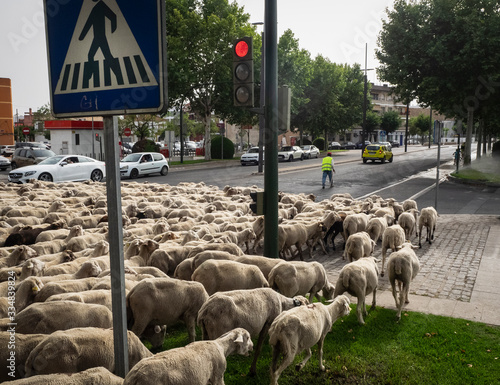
{"x":390,"y":121}
{"x":142,"y":126}
{"x":419,"y":125}
{"x":199,"y":39}
{"x":373,"y":121}
{"x":445,"y":53}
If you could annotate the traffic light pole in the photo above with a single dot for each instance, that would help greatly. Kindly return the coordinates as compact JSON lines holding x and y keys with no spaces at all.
{"x":271,"y":129}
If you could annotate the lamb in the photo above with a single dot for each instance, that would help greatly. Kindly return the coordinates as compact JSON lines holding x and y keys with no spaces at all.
{"x":428,"y":218}
{"x":75,"y":350}
{"x":198,"y":363}
{"x":164,"y":301}
{"x":47,"y":317}
{"x":407,"y":221}
{"x":221,"y":275}
{"x":17,"y":256}
{"x":393,"y":238}
{"x":87,"y":377}
{"x":24,"y":344}
{"x":31,"y":267}
{"x":254,"y":310}
{"x":403,"y":266}
{"x":376,"y":227}
{"x":300,"y":278}
{"x":301,"y":328}
{"x":358,"y":245}
{"x":359,"y":278}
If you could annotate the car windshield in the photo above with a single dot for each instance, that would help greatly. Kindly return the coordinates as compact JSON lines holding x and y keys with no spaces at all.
{"x":39,"y":153}
{"x":372,"y":147}
{"x":253,"y":150}
{"x":52,"y":159}
{"x":287,"y":148}
{"x":132,"y":158}
{"x":306,"y":147}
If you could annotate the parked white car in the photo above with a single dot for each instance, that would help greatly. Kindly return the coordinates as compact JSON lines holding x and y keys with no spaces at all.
{"x":290,"y":153}
{"x":61,"y":168}
{"x":310,"y":151}
{"x":251,"y":156}
{"x":143,"y":163}
{"x":4,"y":163}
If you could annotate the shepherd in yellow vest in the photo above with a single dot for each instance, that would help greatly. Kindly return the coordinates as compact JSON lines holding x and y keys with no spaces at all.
{"x":327,"y":168}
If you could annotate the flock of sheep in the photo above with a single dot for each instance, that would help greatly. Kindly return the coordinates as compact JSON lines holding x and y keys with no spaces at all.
{"x":190,"y":255}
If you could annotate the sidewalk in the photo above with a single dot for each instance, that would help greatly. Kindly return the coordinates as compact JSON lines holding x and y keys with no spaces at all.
{"x":459,"y":273}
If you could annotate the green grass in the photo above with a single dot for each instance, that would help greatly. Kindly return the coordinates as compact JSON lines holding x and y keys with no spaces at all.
{"x":421,"y":349}
{"x":472,"y":174}
{"x":199,"y":161}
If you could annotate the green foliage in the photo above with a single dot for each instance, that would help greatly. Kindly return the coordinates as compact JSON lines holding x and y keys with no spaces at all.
{"x":141,"y":125}
{"x":419,"y":125}
{"x":320,"y":143}
{"x":420,"y":349}
{"x":390,"y":121}
{"x":303,"y":142}
{"x":373,"y":121}
{"x":228,"y":148}
{"x":146,"y":145}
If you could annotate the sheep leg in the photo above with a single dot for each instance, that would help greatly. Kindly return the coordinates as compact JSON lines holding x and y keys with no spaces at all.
{"x":191,"y":327}
{"x":361,"y":308}
{"x":374,"y":301}
{"x":306,"y":358}
{"x":394,"y":293}
{"x":401,"y":300}
{"x":287,"y":360}
{"x":384,"y":252}
{"x":320,"y":354}
{"x":258,"y":348}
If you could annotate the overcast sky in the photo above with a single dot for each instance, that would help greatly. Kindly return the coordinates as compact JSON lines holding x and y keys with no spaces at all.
{"x":335,"y":29}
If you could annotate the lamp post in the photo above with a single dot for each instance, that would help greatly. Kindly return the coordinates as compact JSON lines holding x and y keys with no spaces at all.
{"x":365,"y":97}
{"x":262,"y":120}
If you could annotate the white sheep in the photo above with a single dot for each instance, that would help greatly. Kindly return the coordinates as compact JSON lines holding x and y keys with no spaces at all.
{"x":402,"y":266}
{"x":359,"y":278}
{"x":90,"y":376}
{"x":78,"y":349}
{"x":99,"y":297}
{"x":24,"y":344}
{"x":254,"y":310}
{"x":64,"y":286}
{"x":428,"y":218}
{"x":409,"y":204}
{"x":301,"y":278}
{"x":393,"y":238}
{"x":301,"y":328}
{"x":407,"y":221}
{"x":376,"y":227}
{"x":358,"y":245}
{"x":47,"y":317}
{"x":164,"y":301}
{"x":198,"y":363}
{"x":265,"y":264}
{"x":220,"y":275}
{"x":354,"y":223}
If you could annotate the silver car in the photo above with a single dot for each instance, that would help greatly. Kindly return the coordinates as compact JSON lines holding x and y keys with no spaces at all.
{"x":143,"y":163}
{"x":310,"y":151}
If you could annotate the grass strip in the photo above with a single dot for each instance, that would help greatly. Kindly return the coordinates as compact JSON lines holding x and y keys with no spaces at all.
{"x":421,"y":349}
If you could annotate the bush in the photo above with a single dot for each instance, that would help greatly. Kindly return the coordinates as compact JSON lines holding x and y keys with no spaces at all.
{"x":146,"y":145}
{"x":320,"y":143}
{"x":495,"y":150}
{"x":216,"y":145}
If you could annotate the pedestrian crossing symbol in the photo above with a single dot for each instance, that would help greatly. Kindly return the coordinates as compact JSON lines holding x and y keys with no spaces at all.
{"x":110,"y":61}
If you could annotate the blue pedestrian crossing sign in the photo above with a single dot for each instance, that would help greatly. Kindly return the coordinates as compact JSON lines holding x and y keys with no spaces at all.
{"x":106,"y":57}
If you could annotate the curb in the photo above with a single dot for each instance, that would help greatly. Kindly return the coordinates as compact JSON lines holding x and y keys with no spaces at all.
{"x":472,"y":182}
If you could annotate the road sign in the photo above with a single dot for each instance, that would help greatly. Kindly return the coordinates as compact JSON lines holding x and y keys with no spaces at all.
{"x":26,"y":130}
{"x":106,"y":57}
{"x":127,"y":131}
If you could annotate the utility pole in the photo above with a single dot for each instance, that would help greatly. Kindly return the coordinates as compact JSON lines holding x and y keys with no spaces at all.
{"x":271,"y":132}
{"x":365,"y":101}
{"x":406,"y":127}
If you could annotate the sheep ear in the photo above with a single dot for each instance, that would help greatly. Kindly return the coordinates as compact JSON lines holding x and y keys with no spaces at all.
{"x":239,"y":338}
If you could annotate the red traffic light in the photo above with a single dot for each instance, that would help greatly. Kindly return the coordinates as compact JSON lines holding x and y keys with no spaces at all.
{"x":241,"y":48}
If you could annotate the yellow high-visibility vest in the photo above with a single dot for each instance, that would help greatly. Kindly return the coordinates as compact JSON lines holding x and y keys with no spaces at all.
{"x":326,"y":165}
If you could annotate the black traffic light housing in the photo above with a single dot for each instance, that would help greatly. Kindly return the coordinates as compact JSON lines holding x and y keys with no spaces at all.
{"x":258,"y":206}
{"x":243,"y":92}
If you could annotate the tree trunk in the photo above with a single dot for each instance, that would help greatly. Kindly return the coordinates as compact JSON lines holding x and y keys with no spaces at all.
{"x":468,"y":140}
{"x":485,"y":136}
{"x":208,"y":139}
{"x":479,"y":135}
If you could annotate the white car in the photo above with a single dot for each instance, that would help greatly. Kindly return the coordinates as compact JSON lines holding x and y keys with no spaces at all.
{"x":7,"y":150}
{"x":61,"y":168}
{"x":290,"y":153}
{"x":251,"y":156}
{"x":4,"y":163}
{"x":143,"y":163}
{"x":310,"y":151}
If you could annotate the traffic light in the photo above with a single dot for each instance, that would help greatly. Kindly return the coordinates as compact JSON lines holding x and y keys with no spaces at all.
{"x":258,"y":206}
{"x":97,"y":137}
{"x":243,"y":72}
